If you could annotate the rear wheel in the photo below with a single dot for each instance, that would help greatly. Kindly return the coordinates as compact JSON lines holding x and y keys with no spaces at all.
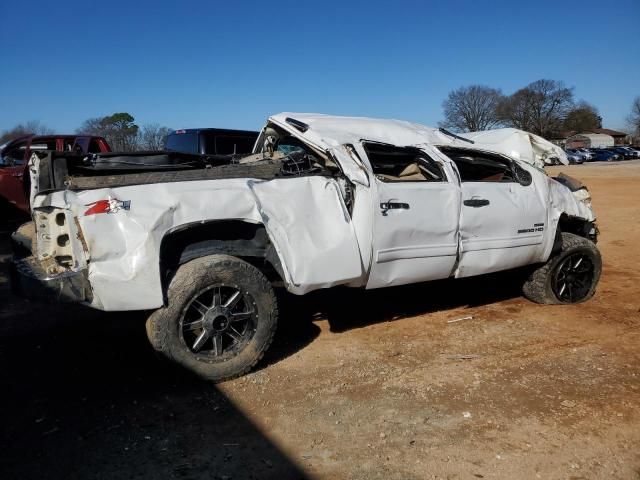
{"x":220,"y":319}
{"x":571,"y":276}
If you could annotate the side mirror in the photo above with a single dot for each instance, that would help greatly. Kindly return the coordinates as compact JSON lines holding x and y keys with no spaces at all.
{"x":522,"y":176}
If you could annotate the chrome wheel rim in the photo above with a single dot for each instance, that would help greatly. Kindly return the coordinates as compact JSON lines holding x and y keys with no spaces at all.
{"x":218,"y":322}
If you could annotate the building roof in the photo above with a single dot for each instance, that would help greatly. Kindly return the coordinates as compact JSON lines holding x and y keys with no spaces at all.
{"x":562,"y":135}
{"x":603,"y":131}
{"x":608,"y":131}
{"x":593,"y":136}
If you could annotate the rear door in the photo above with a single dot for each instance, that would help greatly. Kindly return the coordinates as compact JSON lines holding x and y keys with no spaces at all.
{"x":503,"y":216}
{"x":12,"y":168}
{"x":415,"y":228}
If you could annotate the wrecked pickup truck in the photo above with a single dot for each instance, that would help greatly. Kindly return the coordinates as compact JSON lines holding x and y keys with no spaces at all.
{"x":322,"y":201}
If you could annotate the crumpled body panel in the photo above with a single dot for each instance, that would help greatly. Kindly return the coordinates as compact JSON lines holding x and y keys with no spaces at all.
{"x":524,"y":146}
{"x":314,"y":235}
{"x":329,"y":131}
{"x":319,"y":241}
{"x":575,"y":204}
{"x":305,"y":219}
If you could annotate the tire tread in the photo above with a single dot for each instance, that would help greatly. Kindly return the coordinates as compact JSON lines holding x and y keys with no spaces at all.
{"x":537,"y":287}
{"x":186,"y":278}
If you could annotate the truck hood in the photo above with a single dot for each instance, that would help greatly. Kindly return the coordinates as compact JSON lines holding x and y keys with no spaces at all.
{"x":330,"y":132}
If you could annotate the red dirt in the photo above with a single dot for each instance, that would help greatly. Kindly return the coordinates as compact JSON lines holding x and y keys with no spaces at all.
{"x":358,"y":385}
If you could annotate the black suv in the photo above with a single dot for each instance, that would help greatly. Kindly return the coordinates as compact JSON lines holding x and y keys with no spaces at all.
{"x":211,"y":141}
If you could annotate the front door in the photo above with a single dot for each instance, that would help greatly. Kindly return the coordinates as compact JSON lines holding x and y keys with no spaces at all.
{"x":415,"y":227}
{"x":503,"y":216}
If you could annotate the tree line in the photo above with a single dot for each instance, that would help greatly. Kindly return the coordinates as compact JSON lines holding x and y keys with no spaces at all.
{"x":634,"y":117}
{"x":119,"y":129}
{"x":544,"y":107}
{"x":122,"y":133}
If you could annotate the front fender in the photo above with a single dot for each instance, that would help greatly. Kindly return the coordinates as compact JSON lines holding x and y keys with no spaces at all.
{"x":563,"y":202}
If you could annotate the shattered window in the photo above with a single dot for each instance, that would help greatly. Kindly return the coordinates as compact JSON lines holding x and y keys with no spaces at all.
{"x":479,"y":166}
{"x":289,"y":145}
{"x":402,"y":164}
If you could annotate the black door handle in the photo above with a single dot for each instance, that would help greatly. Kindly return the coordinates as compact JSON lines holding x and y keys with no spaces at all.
{"x":385,"y":207}
{"x":476,"y":202}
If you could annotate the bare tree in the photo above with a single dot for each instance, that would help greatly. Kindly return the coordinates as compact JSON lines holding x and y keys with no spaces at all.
{"x":472,"y":108}
{"x":91,"y":126}
{"x":30,"y":127}
{"x":634,"y":116}
{"x":582,"y":118}
{"x":541,"y":107}
{"x":152,"y":136}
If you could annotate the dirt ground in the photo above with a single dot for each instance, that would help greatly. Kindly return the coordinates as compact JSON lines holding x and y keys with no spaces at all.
{"x":359,"y":385}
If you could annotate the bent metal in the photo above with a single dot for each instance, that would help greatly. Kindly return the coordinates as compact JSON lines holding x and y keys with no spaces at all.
{"x":204,"y":240}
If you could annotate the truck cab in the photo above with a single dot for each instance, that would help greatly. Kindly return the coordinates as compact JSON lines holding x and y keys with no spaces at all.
{"x":211,"y":141}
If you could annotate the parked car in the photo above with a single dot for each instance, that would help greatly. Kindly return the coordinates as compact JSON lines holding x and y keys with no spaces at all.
{"x":211,"y":141}
{"x":322,"y":201}
{"x":624,"y":154}
{"x":604,"y":155}
{"x":584,"y":156}
{"x":574,"y":158}
{"x":588,"y":156}
{"x":632,"y":152}
{"x":14,"y":156}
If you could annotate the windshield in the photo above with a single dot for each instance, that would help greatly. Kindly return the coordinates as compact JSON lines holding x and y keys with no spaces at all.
{"x":290,"y":144}
{"x":13,"y":155}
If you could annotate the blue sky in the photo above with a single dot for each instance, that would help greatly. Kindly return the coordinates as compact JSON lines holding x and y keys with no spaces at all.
{"x":231,"y":64}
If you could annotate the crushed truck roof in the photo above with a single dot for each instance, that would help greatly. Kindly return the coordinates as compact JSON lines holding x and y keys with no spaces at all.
{"x":331,"y":131}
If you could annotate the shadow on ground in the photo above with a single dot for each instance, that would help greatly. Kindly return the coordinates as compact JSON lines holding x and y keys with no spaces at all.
{"x":346,"y":308}
{"x":84,"y":396}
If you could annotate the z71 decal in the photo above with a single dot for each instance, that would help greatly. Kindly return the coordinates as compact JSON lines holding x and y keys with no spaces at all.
{"x":112,"y":205}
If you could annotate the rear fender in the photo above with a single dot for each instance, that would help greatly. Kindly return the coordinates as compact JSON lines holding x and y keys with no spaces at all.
{"x":309,"y":230}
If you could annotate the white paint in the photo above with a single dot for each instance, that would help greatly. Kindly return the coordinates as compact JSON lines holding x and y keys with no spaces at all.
{"x":318,"y":242}
{"x":524,"y":146}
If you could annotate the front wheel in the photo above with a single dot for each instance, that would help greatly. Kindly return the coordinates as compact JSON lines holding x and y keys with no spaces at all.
{"x":571,"y":276}
{"x":220,"y":318}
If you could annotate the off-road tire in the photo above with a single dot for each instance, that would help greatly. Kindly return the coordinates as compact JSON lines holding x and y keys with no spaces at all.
{"x":163,"y":326}
{"x":539,"y":285}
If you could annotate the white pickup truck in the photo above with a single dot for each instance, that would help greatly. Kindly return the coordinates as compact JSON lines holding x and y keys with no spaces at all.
{"x":322,"y":201}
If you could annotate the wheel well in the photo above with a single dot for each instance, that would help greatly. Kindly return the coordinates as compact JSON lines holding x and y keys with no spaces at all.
{"x":576,"y":225}
{"x":246,"y":240}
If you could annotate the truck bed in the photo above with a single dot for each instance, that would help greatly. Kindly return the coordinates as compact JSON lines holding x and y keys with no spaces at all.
{"x":76,"y":172}
{"x":266,"y":171}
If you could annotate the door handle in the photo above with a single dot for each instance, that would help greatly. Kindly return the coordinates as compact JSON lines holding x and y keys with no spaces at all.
{"x":476,"y":202}
{"x":385,"y":207}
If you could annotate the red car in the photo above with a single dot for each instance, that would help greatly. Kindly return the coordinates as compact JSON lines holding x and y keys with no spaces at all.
{"x":14,"y":156}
